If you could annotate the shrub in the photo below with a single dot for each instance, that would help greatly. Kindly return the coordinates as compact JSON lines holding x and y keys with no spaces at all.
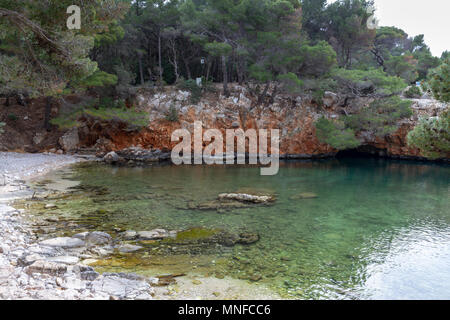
{"x":439,"y":81}
{"x":317,"y":60}
{"x":432,"y":136}
{"x":12,"y":117}
{"x":381,"y":117}
{"x":2,"y":124}
{"x":336,"y":134}
{"x":413,"y":92}
{"x":191,"y":86}
{"x":371,"y":82}
{"x":290,"y":83}
{"x":172,"y":114}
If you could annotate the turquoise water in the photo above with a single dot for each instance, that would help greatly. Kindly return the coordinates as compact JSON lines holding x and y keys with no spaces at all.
{"x":377,"y":229}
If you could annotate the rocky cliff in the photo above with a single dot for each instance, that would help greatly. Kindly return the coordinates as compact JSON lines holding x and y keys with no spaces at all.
{"x":294,"y":116}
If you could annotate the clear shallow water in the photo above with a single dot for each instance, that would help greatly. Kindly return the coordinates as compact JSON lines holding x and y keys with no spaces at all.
{"x":377,"y":230}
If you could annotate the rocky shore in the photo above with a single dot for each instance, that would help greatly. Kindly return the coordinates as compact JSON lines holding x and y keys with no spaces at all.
{"x":58,"y":268}
{"x":50,"y":269}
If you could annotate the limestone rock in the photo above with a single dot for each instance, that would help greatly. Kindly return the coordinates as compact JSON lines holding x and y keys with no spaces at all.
{"x":64,"y":242}
{"x":155,"y":234}
{"x":46,"y":267}
{"x":127,"y":248}
{"x":246,"y":197}
{"x":64,"y":260}
{"x":70,"y":140}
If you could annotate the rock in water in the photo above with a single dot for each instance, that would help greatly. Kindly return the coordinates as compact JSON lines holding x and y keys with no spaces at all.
{"x":243,"y":197}
{"x":63,"y":242}
{"x":127,"y":248}
{"x":304,"y":195}
{"x":156,"y":234}
{"x":248,"y":238}
{"x":98,"y":238}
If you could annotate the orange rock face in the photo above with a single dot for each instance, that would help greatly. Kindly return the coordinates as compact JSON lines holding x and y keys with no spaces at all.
{"x":294,"y":118}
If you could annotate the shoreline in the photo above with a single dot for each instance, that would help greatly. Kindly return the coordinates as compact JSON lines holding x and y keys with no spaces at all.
{"x":34,"y":270}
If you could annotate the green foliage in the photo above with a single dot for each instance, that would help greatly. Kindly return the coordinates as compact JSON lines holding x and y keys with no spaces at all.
{"x":104,"y":108}
{"x":172,"y":114}
{"x":336,"y":134}
{"x":413,"y":92}
{"x":291,"y":83}
{"x":381,"y":117}
{"x":39,"y":55}
{"x":218,"y":49}
{"x":432,"y":136}
{"x":12,"y":117}
{"x":191,"y":86}
{"x":404,"y":67}
{"x":346,"y":28}
{"x":99,"y":79}
{"x":317,"y":60}
{"x":370,"y":82}
{"x":439,"y":81}
{"x":2,"y":124}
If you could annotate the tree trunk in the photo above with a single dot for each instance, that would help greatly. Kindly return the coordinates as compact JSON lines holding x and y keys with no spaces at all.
{"x":225,"y":77}
{"x":141,"y":71}
{"x":188,"y":69}
{"x":48,"y":110}
{"x":160,"y":58}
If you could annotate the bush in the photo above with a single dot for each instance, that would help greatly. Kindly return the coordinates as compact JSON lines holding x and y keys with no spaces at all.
{"x":290,"y":83}
{"x":172,"y":114}
{"x":12,"y":117}
{"x":2,"y":124}
{"x":439,"y":81}
{"x":366,"y":83}
{"x":317,"y":60}
{"x":191,"y":86}
{"x":413,"y":92}
{"x":336,"y":134}
{"x":380,"y":117}
{"x":432,"y":136}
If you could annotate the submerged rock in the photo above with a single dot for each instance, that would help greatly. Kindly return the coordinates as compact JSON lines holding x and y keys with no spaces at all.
{"x":128,"y":248}
{"x":156,"y":234}
{"x":63,"y":242}
{"x":248,"y":238}
{"x":130,"y":235}
{"x":304,"y":195}
{"x":243,"y":197}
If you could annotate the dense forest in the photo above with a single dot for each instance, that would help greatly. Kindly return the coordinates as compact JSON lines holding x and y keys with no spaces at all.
{"x":304,"y":47}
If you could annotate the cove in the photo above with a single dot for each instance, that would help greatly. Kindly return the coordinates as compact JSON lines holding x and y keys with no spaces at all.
{"x":339,"y":228}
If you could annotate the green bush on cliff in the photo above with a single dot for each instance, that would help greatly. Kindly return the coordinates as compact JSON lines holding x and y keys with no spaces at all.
{"x":2,"y":124}
{"x":381,"y":117}
{"x":104,"y":109}
{"x":191,"y":86}
{"x":432,"y":136}
{"x":336,"y":134}
{"x":439,"y":81}
{"x":413,"y":92}
{"x":172,"y":114}
{"x":372,"y":82}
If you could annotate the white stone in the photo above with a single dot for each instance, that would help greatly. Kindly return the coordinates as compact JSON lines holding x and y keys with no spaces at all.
{"x":64,"y":242}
